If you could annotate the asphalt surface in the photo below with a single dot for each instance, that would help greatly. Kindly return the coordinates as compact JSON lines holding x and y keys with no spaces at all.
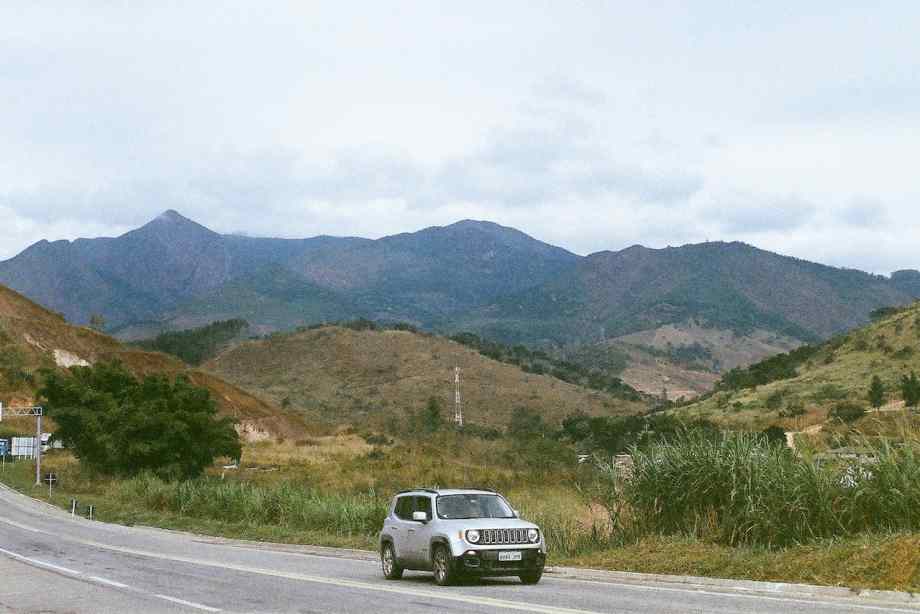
{"x":50,"y":562}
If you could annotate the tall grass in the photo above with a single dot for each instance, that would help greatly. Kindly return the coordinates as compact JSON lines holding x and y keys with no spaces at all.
{"x":284,"y":504}
{"x":740,"y":489}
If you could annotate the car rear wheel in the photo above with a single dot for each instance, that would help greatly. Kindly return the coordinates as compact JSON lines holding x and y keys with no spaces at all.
{"x":444,"y":574}
{"x":391,"y":569}
{"x":531,"y":577}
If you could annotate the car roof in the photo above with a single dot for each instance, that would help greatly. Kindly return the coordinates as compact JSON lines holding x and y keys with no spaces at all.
{"x":446,"y":491}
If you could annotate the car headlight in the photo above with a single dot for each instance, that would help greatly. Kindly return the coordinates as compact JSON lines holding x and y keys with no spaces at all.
{"x":472,"y":536}
{"x":533,"y":536}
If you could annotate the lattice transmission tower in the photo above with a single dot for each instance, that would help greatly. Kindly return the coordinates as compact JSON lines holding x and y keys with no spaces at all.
{"x":458,"y":401}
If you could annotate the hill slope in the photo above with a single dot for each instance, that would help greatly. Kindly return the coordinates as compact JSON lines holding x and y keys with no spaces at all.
{"x":811,"y":381}
{"x":32,"y":338}
{"x":339,"y":375}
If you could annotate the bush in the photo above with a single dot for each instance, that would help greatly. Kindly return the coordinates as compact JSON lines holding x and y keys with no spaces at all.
{"x":847,"y":411}
{"x":116,"y":424}
{"x":775,"y":400}
{"x":793,"y":408}
{"x":830,"y":392}
{"x":526,"y":423}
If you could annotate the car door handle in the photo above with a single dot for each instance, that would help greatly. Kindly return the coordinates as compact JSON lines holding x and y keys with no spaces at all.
{"x":411,"y":531}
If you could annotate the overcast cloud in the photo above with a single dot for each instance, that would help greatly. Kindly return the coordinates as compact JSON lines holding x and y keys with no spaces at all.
{"x":591,"y":125}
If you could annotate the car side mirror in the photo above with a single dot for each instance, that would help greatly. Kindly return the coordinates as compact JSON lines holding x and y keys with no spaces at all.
{"x":420,"y":516}
{"x":516,"y":513}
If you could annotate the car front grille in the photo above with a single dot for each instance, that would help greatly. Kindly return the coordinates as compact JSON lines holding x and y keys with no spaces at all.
{"x":492,"y":537}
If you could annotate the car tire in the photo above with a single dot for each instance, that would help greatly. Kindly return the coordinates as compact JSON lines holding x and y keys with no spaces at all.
{"x":441,"y":564}
{"x":531,"y":577}
{"x":391,"y":569}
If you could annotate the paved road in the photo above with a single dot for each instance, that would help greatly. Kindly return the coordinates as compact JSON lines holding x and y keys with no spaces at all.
{"x":50,"y":562}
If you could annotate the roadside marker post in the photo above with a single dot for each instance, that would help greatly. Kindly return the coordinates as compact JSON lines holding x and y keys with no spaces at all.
{"x":50,"y":479}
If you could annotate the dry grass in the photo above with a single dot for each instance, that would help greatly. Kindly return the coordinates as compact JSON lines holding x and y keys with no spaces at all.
{"x":340,"y":376}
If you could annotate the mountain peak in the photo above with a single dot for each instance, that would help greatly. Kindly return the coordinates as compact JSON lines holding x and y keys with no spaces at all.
{"x":171,"y":223}
{"x":172,"y":216}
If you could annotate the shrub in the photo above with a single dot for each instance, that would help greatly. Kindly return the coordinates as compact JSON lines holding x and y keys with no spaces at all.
{"x":775,"y":434}
{"x":793,"y":408}
{"x":775,"y":400}
{"x":847,"y":411}
{"x":830,"y":392}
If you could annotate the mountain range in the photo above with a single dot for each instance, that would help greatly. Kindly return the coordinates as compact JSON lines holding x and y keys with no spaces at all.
{"x":174,"y":273}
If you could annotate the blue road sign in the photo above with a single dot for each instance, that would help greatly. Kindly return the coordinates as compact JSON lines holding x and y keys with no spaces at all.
{"x":4,"y":447}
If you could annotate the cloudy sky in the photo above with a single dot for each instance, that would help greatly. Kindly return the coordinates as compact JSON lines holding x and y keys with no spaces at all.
{"x":591,"y":125}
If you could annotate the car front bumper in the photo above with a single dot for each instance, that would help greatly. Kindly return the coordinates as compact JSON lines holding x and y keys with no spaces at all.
{"x":486,"y":563}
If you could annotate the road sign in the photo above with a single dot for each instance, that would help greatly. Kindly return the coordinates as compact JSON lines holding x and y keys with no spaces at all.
{"x":23,"y":447}
{"x":4,"y":447}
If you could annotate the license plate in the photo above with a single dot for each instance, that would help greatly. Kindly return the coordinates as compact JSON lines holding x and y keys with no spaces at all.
{"x":509,"y":556}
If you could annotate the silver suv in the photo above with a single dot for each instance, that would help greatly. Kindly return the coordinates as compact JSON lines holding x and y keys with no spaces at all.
{"x":458,"y":533}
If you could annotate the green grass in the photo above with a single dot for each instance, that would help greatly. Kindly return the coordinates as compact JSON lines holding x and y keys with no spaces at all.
{"x":739,"y":489}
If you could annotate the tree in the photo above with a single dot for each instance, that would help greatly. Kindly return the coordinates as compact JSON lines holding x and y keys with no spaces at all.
{"x":847,"y":411}
{"x":910,"y":389}
{"x":431,"y":416}
{"x":118,"y":425}
{"x":876,"y":392}
{"x":775,"y":434}
{"x":525,"y":423}
{"x":97,"y":321}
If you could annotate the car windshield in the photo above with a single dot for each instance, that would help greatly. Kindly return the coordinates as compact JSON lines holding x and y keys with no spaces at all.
{"x":473,"y":506}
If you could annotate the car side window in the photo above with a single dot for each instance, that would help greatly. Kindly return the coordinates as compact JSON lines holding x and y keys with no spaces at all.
{"x":423,"y":504}
{"x":404,"y":507}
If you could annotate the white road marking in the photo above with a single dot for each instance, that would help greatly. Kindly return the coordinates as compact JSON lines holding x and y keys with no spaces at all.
{"x":190,"y":604}
{"x":52,"y":566}
{"x":108,"y":582}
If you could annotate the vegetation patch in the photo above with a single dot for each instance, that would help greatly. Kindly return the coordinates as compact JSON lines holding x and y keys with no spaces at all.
{"x":197,"y":345}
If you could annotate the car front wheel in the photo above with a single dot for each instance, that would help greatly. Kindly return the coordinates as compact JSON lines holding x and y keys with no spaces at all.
{"x":391,"y":569}
{"x":444,"y":573}
{"x":531,"y":577}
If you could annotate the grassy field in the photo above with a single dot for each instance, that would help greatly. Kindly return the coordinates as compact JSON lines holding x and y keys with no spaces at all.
{"x":333,"y":491}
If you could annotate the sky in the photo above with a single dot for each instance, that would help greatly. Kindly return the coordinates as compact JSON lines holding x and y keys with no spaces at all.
{"x":590,"y":125}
